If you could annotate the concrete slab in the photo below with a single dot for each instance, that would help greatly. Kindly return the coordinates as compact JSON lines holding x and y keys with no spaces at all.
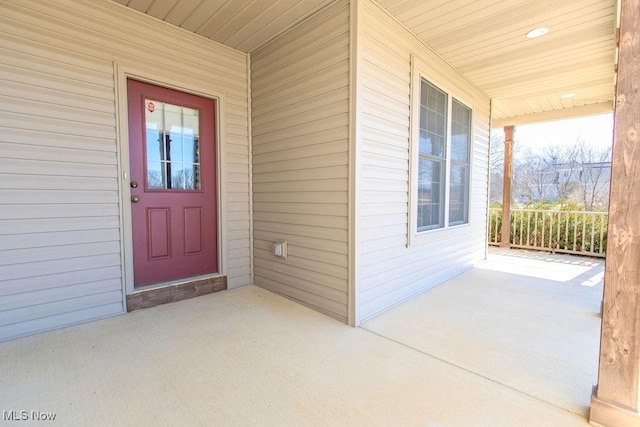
{"x":526,"y":320}
{"x":248,"y":357}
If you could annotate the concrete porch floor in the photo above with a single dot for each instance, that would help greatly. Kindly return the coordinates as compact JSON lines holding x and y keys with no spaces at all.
{"x":527,"y":320}
{"x":249,"y":357}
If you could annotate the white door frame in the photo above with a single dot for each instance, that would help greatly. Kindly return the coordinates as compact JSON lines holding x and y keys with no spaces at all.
{"x":121,"y":73}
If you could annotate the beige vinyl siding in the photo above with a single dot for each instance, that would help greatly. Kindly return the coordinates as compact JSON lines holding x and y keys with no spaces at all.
{"x":390,"y":272}
{"x":60,"y":236}
{"x":300,"y":120}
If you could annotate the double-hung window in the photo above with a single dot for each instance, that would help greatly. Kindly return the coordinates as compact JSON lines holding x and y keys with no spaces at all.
{"x":459,"y":169}
{"x":432,"y":156}
{"x":441,"y":158}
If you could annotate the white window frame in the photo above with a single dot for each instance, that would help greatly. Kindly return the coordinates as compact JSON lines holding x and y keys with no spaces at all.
{"x":420,"y":70}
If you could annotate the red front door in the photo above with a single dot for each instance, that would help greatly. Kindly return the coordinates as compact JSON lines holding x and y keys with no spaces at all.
{"x":173,"y":184}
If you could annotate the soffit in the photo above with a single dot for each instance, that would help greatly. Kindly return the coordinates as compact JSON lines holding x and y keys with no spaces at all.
{"x":483,"y":39}
{"x":525,"y":78}
{"x":244,"y":25}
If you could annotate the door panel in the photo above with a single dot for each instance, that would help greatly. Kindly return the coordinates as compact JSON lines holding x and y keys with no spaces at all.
{"x":193,"y":230}
{"x":173,"y":184}
{"x":158,"y":233}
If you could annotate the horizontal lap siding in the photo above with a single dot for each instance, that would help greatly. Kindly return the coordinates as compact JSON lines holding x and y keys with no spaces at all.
{"x":300,"y":101}
{"x":60,"y":248}
{"x":390,"y":272}
{"x":238,"y":220}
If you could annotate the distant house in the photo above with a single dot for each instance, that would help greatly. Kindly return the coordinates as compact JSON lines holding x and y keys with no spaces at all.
{"x":584,"y":183}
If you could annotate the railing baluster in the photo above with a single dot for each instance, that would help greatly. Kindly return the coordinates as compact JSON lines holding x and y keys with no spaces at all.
{"x":593,"y":231}
{"x":521,"y":224}
{"x":528,"y":228}
{"x":566,"y":233}
{"x":523,"y":232}
{"x":535,"y":228}
{"x":558,"y":236}
{"x":542,"y":234}
{"x":551,"y":230}
{"x":516,"y":216}
{"x":512,"y":238}
{"x":575,"y":231}
{"x":602,"y":231}
{"x":514,"y":228}
{"x":584,"y":230}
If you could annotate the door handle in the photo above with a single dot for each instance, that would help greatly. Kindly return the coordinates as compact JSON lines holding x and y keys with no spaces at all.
{"x":135,"y":199}
{"x":134,"y":184}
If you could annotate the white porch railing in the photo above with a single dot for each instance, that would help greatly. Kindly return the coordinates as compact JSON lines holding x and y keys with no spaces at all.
{"x":571,"y":232}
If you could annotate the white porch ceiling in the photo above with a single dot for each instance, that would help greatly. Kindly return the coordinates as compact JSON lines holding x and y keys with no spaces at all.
{"x":241,"y":24}
{"x":484,"y":39}
{"x":525,"y":78}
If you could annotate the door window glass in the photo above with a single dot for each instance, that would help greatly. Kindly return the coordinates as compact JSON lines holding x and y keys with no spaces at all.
{"x":172,"y":146}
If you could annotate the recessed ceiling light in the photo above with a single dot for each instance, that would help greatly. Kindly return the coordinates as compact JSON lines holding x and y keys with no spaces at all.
{"x":538,"y":32}
{"x":567,"y":95}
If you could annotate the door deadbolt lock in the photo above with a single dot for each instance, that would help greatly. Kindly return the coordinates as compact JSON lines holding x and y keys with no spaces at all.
{"x":134,"y":184}
{"x":135,"y":199}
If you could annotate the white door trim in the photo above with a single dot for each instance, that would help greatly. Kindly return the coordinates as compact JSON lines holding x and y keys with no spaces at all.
{"x":121,"y":73}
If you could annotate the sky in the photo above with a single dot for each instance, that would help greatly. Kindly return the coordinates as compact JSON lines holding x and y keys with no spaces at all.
{"x":594,"y":130}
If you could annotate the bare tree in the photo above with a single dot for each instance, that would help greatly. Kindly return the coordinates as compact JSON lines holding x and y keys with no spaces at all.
{"x":577,"y":172}
{"x":534,"y":177}
{"x":496,"y":167}
{"x":564,"y":168}
{"x":595,"y":175}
